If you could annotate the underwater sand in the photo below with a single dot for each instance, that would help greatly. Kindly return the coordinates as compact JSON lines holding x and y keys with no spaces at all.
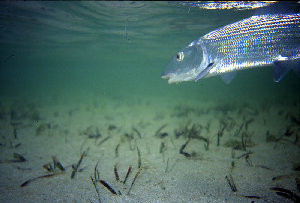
{"x":81,"y":79}
{"x":66,"y":130}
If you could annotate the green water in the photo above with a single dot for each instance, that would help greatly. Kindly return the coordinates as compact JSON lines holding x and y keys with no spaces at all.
{"x":81,"y":48}
{"x":71,"y":68}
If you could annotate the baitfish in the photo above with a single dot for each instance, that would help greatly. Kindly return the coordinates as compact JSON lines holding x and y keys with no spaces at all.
{"x":258,"y":41}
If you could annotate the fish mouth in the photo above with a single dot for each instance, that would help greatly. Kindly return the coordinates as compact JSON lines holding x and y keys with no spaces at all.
{"x":177,"y":78}
{"x":170,"y":77}
{"x":173,"y":78}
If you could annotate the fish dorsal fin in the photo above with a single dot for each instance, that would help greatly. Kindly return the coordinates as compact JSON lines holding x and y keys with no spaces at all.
{"x":204,"y":72}
{"x":228,"y":77}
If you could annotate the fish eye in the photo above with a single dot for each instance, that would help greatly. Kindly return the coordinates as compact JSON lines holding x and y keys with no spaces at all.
{"x":179,"y":56}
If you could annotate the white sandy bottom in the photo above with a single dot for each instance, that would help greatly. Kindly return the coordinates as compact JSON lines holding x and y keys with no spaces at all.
{"x":164,"y":177}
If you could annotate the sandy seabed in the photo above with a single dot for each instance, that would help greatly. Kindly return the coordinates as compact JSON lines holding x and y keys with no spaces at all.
{"x":178,"y":151}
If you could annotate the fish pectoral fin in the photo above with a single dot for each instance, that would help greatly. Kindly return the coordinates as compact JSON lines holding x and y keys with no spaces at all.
{"x":281,"y":68}
{"x":204,"y":72}
{"x":297,"y":70}
{"x":228,"y":77}
{"x":296,"y":66}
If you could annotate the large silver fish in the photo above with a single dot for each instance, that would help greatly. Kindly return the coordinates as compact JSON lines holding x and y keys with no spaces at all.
{"x":253,"y":42}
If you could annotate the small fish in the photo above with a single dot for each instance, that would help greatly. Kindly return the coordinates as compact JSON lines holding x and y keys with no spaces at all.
{"x":237,"y":5}
{"x":257,"y":41}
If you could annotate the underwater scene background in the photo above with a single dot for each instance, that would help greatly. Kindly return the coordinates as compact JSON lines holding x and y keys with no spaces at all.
{"x":80,"y":85}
